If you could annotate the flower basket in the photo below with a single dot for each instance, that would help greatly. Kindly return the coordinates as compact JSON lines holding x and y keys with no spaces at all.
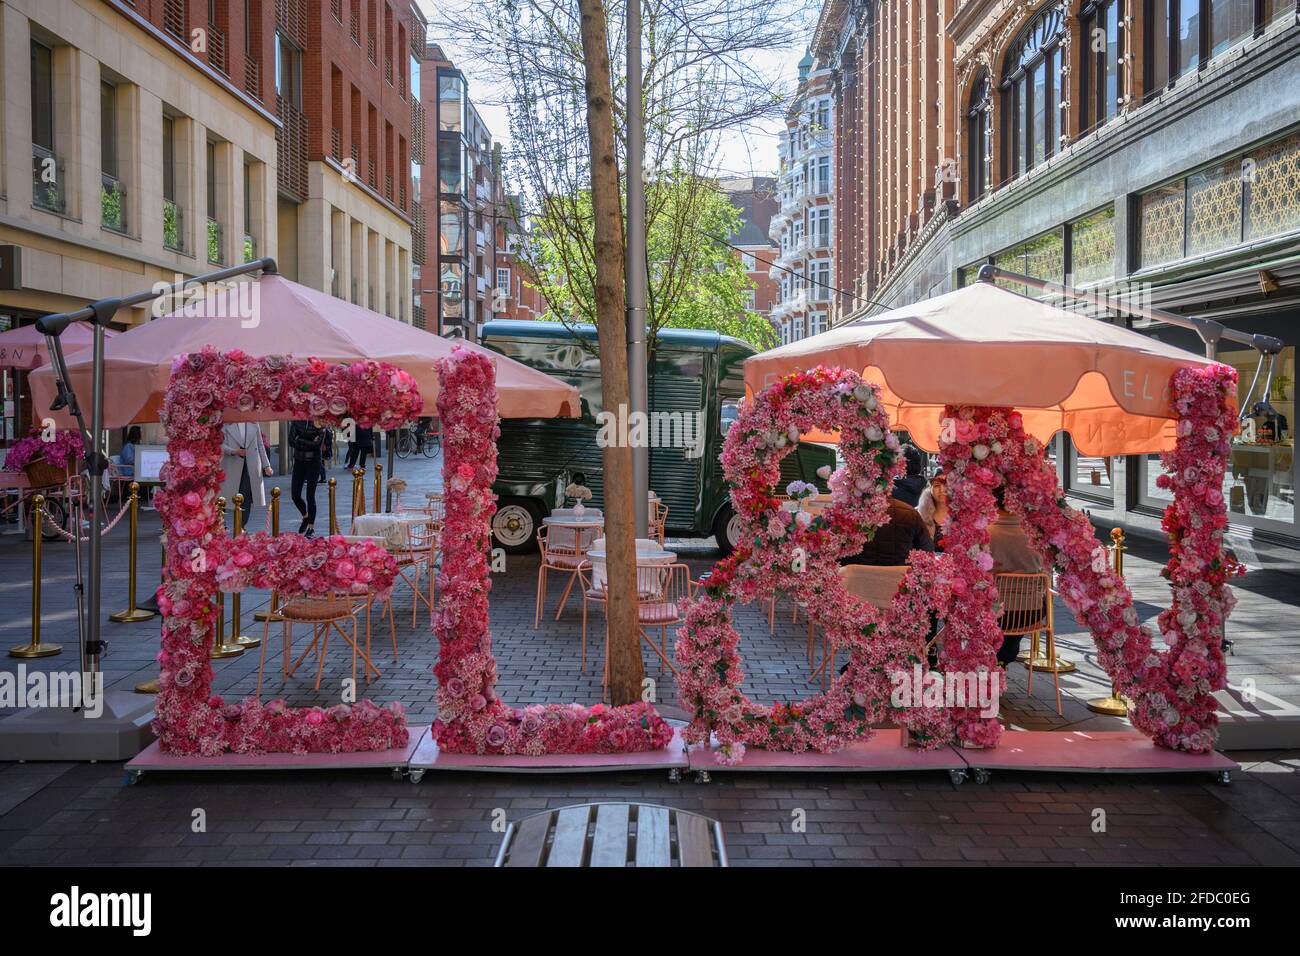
{"x":41,"y":473}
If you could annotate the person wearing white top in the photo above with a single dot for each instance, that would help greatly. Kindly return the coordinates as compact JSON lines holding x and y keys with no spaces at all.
{"x":245,"y":462}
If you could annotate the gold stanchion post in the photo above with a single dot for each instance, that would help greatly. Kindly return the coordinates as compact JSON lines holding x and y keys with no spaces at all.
{"x":334,"y":518}
{"x":358,"y":491}
{"x":379,"y":487}
{"x":236,"y":599}
{"x":220,"y":649}
{"x":273,"y":613}
{"x":1114,"y":705}
{"x":36,"y":648}
{"x":132,"y":613}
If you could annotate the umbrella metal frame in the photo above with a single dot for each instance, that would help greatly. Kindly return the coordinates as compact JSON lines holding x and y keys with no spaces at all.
{"x":52,"y":326}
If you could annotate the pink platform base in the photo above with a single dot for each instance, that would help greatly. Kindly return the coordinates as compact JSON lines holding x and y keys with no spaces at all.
{"x":152,"y":758}
{"x":883,"y":752}
{"x":1091,"y":752}
{"x":428,"y":757}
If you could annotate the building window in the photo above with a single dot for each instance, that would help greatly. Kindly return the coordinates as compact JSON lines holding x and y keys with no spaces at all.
{"x":288,"y":71}
{"x":1102,"y":57}
{"x":1250,"y":197}
{"x":1182,"y":35}
{"x":816,"y":323}
{"x":819,"y":226}
{"x":819,"y":280}
{"x":796,"y":329}
{"x":1092,"y":247}
{"x":173,"y":233}
{"x":1042,"y":257}
{"x":503,"y":281}
{"x":214,"y":222}
{"x":1031,"y":84}
{"x":112,"y":196}
{"x":979,"y":151}
{"x":47,"y":172}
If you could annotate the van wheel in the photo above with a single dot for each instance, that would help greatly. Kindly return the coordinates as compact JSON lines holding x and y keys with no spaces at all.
{"x":515,"y":524}
{"x":726,"y":530}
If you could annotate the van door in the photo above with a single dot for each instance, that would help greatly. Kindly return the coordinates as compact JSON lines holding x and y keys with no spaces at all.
{"x":678,"y":435}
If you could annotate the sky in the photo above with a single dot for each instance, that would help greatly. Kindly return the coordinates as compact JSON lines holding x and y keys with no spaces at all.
{"x":751,"y":152}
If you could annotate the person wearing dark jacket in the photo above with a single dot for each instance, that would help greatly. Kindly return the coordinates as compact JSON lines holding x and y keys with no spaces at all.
{"x":307,"y":440}
{"x":908,"y":488}
{"x":894,"y":541}
{"x":362,"y":445}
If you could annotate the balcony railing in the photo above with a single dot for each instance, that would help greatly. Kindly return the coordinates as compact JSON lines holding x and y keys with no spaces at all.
{"x":174,"y":19}
{"x":388,"y":187}
{"x":370,"y":47}
{"x":371,"y":176}
{"x":291,"y":149}
{"x":336,"y":143}
{"x":217,"y":49}
{"x":401,"y":195}
{"x":47,"y":181}
{"x":214,"y":241}
{"x":112,"y":203}
{"x":250,"y":248}
{"x":336,"y":8}
{"x":252,"y":78}
{"x":173,"y":226}
{"x":388,"y":69}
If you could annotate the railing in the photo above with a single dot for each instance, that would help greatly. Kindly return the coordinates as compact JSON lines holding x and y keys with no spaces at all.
{"x":252,"y":78}
{"x":401,"y":194}
{"x":174,"y":19}
{"x":370,"y":174}
{"x":250,"y":248}
{"x":291,"y":149}
{"x":112,"y":203}
{"x":336,"y":143}
{"x":370,"y":47}
{"x":217,"y":49}
{"x":417,"y":130}
{"x":418,"y":240}
{"x":388,"y":187}
{"x":173,"y":226}
{"x":355,"y":28}
{"x":214,"y":241}
{"x":336,"y":8}
{"x":388,"y":69}
{"x":47,"y":181}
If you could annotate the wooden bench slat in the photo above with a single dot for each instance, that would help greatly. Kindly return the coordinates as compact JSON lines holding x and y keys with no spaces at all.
{"x":653,"y":840}
{"x":694,"y":840}
{"x":609,"y":842}
{"x":529,"y":841}
{"x":570,"y":843}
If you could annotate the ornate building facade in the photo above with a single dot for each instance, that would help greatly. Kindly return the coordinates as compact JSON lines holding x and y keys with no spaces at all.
{"x":801,"y":226}
{"x":1146,"y":148}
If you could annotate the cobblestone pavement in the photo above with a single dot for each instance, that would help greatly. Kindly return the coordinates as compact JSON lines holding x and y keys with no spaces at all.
{"x":83,"y":813}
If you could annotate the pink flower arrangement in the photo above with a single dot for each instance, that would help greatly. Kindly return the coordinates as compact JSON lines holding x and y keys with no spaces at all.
{"x":801,"y":559}
{"x":982,"y":448}
{"x":64,"y":450}
{"x":471,"y":718}
{"x":201,"y":558}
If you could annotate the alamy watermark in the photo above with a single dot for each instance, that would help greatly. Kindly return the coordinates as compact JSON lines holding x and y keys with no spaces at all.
{"x":26,"y":689}
{"x":917,"y":688}
{"x":652,"y":430}
{"x":208,"y":300}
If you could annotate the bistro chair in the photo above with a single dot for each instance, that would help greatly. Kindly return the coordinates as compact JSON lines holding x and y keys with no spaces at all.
{"x":1026,"y":601}
{"x":563,"y":550}
{"x":326,"y":614}
{"x":658,"y":520}
{"x":366,"y":600}
{"x":415,"y":558}
{"x":593,"y":581}
{"x":872,"y":584}
{"x":662,"y":607}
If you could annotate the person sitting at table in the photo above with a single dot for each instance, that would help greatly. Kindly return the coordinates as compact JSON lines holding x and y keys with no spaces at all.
{"x":933,"y":507}
{"x":126,"y":457}
{"x":1012,"y":554}
{"x":893,"y":542}
{"x":907,"y":488}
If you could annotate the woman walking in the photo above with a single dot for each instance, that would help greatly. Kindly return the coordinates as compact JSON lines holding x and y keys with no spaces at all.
{"x":307,"y":441}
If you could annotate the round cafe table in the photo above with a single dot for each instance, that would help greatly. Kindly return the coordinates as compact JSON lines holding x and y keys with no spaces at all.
{"x":392,"y":527}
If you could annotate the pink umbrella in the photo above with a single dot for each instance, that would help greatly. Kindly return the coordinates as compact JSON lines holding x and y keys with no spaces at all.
{"x":274,"y":316}
{"x":24,"y":348}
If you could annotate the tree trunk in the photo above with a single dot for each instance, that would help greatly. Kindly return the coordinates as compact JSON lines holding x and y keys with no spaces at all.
{"x":624,"y":655}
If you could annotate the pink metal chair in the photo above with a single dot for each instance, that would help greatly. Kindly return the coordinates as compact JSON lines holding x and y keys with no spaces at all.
{"x":563,"y":550}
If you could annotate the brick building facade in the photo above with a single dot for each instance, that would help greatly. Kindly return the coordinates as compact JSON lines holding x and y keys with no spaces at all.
{"x":756,"y":198}
{"x":1144,"y":149}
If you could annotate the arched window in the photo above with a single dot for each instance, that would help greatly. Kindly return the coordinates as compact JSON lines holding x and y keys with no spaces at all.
{"x":1184,"y":34}
{"x":1101,"y":61}
{"x":979,"y":151}
{"x":1031,"y":94}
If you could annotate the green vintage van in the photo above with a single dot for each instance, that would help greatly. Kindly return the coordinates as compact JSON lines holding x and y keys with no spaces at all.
{"x":695,"y":383}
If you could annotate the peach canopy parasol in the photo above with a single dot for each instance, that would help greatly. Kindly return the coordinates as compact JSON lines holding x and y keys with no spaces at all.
{"x":275,"y":316}
{"x":1106,"y":385}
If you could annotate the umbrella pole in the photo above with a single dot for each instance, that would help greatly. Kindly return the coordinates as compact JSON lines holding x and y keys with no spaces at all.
{"x":388,"y":498}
